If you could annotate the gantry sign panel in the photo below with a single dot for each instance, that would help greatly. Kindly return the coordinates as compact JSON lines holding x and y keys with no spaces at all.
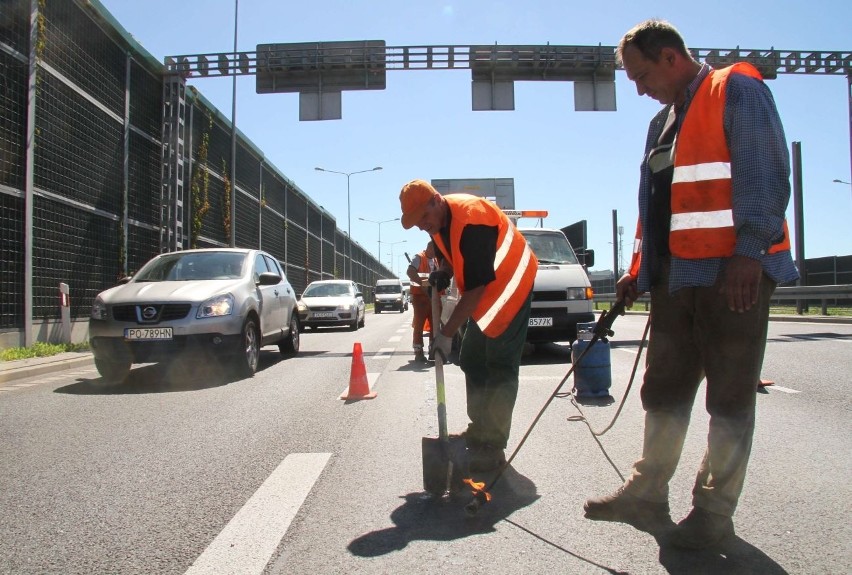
{"x":319,"y":72}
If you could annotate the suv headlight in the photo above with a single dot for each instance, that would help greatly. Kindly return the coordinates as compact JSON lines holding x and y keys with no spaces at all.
{"x":99,"y":309}
{"x":216,"y":306}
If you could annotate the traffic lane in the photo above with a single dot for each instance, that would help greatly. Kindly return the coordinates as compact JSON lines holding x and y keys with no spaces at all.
{"x":565,"y":484}
{"x":377,"y":519}
{"x":144,"y":481}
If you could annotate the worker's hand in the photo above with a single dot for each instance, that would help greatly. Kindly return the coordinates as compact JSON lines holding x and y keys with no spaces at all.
{"x":443,"y":345}
{"x":440,"y":279}
{"x":626,"y":289}
{"x":741,"y":283}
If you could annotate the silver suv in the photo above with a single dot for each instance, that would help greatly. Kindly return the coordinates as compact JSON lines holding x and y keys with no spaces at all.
{"x":229,"y":302}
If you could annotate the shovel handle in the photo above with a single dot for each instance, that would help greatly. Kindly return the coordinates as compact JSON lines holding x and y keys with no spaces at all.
{"x":443,"y":434}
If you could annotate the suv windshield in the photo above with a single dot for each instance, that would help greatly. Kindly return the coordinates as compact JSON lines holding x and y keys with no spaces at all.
{"x":389,"y":289}
{"x":550,"y":247}
{"x":326,"y":290}
{"x":193,"y":266}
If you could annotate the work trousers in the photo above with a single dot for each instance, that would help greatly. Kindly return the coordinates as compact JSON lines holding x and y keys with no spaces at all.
{"x":694,"y":335}
{"x":491,"y":366}
{"x":422,"y":309}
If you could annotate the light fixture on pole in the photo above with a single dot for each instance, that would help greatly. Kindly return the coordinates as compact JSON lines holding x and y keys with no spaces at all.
{"x":348,"y":212}
{"x":379,"y":251}
{"x":836,"y":181}
{"x":392,"y":244}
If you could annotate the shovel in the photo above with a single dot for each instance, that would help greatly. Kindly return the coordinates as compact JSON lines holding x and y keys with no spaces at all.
{"x":444,"y":458}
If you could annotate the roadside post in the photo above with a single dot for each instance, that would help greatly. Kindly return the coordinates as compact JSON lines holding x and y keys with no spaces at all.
{"x":64,"y":313}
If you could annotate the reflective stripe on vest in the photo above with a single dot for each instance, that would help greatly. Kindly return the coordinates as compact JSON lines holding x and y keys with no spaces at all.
{"x":701,"y":172}
{"x":511,"y":288}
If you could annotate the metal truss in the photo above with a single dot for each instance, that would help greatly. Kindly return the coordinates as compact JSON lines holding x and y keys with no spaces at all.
{"x":544,"y":58}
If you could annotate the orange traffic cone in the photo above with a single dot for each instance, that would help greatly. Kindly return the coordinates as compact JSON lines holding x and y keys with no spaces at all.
{"x":359,"y":387}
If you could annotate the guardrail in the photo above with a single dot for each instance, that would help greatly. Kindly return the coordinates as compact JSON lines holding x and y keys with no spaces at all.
{"x":800,"y":294}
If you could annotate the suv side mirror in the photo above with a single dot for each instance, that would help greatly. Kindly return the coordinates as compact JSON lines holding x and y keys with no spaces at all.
{"x":269,"y":279}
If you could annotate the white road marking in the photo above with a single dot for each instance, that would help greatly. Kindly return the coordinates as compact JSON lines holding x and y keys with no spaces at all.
{"x":23,"y":384}
{"x":249,"y":539}
{"x":627,"y":349}
{"x":781,"y":388}
{"x":384,"y":352}
{"x":395,"y":339}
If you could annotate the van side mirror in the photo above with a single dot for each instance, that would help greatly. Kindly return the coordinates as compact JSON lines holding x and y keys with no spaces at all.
{"x":587,"y":258}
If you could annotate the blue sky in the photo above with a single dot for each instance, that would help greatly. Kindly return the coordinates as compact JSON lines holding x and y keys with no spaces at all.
{"x":577,"y":165}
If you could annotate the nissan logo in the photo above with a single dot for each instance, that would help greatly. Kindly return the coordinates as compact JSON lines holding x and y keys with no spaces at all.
{"x":149,"y":313}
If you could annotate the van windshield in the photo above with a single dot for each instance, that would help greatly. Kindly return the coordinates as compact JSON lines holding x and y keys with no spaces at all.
{"x":394,"y":288}
{"x":550,"y":247}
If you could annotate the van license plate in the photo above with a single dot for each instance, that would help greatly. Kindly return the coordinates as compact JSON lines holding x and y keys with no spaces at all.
{"x":323,"y":314}
{"x":541,"y":322}
{"x":148,"y":333}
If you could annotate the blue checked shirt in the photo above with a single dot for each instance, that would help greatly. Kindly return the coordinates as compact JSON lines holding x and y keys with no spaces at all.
{"x":760,"y":178}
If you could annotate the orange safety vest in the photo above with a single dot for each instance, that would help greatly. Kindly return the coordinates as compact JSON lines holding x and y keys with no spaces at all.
{"x":423,"y":269}
{"x":702,"y":221}
{"x":515,"y":265}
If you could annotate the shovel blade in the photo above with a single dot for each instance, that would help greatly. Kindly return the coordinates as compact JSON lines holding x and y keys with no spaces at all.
{"x":445,"y":465}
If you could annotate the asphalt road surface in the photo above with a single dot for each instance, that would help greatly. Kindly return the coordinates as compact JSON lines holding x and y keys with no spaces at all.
{"x":182,"y":470}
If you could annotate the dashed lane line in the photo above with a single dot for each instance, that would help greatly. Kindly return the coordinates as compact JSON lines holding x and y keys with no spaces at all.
{"x":774,"y":387}
{"x":248,"y":541}
{"x":395,"y":339}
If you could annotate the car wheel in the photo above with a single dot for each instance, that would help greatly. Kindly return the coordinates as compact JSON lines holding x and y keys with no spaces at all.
{"x":363,"y":319}
{"x":376,"y":310}
{"x":290,"y":345}
{"x":115,"y":371}
{"x":247,"y":355}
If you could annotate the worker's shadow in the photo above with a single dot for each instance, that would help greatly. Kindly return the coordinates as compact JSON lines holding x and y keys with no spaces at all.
{"x":421,"y":518}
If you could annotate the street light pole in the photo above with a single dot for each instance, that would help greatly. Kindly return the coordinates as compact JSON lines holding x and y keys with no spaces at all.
{"x":348,"y":211}
{"x":391,"y":253}
{"x":379,"y":251}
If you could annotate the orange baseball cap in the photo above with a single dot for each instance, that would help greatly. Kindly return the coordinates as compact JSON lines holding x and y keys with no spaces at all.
{"x":414,"y":198}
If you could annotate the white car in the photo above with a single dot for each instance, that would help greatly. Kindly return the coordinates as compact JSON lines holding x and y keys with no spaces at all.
{"x":332,"y":303}
{"x":227,"y":302}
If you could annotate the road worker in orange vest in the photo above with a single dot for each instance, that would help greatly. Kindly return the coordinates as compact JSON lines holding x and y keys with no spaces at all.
{"x":494,"y":270}
{"x":711,"y":245}
{"x":422,"y":264}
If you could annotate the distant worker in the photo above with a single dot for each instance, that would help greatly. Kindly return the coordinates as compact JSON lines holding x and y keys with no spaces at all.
{"x":494,"y":269}
{"x":711,"y":245}
{"x":422,"y":264}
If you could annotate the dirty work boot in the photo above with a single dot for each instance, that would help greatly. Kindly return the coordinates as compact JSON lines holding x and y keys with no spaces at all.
{"x":485,"y":458}
{"x":702,"y":528}
{"x":419,"y":356}
{"x":625,"y":508}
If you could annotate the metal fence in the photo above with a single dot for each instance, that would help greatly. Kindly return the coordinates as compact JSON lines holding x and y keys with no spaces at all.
{"x":88,"y":209}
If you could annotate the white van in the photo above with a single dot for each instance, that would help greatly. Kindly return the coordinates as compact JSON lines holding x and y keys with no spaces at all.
{"x":562,"y":294}
{"x":389,"y":295}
